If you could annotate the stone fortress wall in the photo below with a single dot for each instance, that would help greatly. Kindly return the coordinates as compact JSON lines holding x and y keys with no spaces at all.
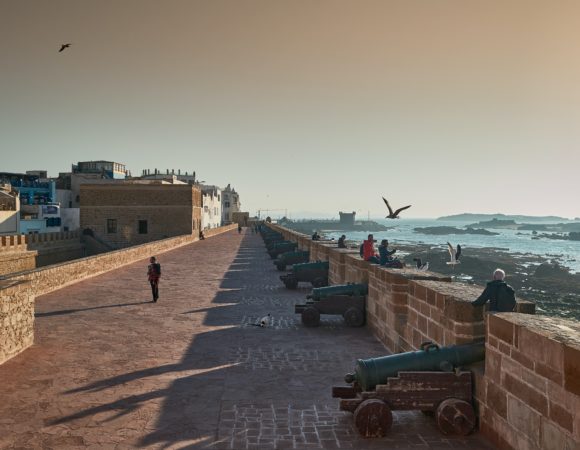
{"x":19,"y":290}
{"x":527,"y":392}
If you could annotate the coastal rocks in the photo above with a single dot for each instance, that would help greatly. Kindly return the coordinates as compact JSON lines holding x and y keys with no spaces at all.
{"x":446,"y":230}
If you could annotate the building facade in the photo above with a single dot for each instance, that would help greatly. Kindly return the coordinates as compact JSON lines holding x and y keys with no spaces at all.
{"x":230,"y":204}
{"x":122,"y":215}
{"x":105,"y":169}
{"x":212,"y":207}
{"x":9,"y":210}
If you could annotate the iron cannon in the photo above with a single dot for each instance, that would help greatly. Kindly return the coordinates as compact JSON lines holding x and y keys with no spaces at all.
{"x":315,"y":273}
{"x":347,"y":300}
{"x":289,"y":258}
{"x":340,"y":289}
{"x":428,"y":380}
{"x":282,"y":247}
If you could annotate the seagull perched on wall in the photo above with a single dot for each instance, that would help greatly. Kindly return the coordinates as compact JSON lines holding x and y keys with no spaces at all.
{"x":454,"y":254}
{"x":421,"y":265}
{"x":63,"y":46}
{"x":394,"y":215}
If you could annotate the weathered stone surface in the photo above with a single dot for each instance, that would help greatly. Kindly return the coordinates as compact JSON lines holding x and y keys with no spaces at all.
{"x":110,"y":369}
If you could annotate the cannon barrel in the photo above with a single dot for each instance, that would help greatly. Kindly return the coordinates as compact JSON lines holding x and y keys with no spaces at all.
{"x":341,"y":289}
{"x":370,"y":372}
{"x":316,"y":265}
{"x":298,"y":255}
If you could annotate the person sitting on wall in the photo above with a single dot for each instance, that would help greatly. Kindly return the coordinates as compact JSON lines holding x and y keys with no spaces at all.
{"x":501,"y":296}
{"x":368,"y":250}
{"x":385,"y":254}
{"x":342,"y":241}
{"x":316,"y":236}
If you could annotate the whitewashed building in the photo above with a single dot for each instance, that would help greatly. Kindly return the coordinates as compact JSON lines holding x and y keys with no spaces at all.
{"x":230,"y":204}
{"x":211,"y":215}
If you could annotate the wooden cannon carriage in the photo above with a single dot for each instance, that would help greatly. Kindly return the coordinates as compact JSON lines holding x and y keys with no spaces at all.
{"x":382,"y":385}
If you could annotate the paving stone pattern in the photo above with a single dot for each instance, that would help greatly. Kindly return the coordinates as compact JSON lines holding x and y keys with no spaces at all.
{"x":111,"y":370}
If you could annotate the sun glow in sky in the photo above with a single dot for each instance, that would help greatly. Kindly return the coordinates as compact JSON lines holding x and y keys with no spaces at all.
{"x":309,"y":106}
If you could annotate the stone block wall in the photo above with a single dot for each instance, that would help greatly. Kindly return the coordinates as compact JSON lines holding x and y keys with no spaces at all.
{"x":442,"y":312}
{"x":19,"y":290}
{"x":529,"y":397}
{"x":17,"y":261}
{"x":16,"y":318}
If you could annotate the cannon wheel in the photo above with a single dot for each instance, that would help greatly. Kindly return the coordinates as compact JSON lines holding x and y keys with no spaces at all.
{"x":311,"y":317}
{"x":319,"y":282}
{"x":291,"y":283}
{"x":455,"y":417}
{"x":373,"y":418}
{"x":280,"y":266}
{"x":354,"y":317}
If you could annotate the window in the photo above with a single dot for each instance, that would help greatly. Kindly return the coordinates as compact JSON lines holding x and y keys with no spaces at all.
{"x":111,"y":226}
{"x":142,"y":227}
{"x":227,"y":204}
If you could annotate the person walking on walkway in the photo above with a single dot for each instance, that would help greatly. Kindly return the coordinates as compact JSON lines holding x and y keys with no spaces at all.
{"x":239,"y":229}
{"x":501,"y":296}
{"x":153,"y":275}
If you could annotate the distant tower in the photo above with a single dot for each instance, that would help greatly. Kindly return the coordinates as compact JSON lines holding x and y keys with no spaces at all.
{"x":347,"y":219}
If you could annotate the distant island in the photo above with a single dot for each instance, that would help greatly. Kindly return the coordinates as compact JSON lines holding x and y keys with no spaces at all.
{"x":517,"y":218}
{"x":443,"y":230}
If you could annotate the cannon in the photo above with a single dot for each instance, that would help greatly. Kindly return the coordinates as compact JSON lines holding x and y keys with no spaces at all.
{"x":272,"y":243}
{"x":340,"y":289}
{"x":347,"y":300}
{"x":290,"y":258}
{"x":315,"y":273}
{"x":427,"y":380}
{"x":282,"y":247}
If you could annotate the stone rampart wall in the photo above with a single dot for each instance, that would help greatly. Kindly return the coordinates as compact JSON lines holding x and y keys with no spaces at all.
{"x":18,"y":290}
{"x":16,"y":318}
{"x":528,"y":391}
{"x":529,"y":397}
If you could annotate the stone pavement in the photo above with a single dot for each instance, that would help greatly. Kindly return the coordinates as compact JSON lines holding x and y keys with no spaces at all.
{"x":111,"y":370}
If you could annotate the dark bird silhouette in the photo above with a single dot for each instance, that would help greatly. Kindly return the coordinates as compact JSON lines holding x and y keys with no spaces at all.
{"x":394,"y":215}
{"x":454,"y":254}
{"x":63,"y":46}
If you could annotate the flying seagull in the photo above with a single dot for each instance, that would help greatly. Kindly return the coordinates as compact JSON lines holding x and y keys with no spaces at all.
{"x":454,"y":254}
{"x":421,"y":265}
{"x":394,"y":215}
{"x":63,"y":46}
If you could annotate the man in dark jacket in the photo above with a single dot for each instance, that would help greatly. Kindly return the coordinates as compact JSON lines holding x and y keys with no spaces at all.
{"x":501,"y":296}
{"x":342,"y":241}
{"x":153,"y":275}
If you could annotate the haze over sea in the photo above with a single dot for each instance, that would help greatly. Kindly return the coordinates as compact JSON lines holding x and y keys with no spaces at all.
{"x":566,"y":253}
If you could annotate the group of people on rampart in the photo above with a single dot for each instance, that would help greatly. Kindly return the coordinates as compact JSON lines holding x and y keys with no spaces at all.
{"x":499,"y":294}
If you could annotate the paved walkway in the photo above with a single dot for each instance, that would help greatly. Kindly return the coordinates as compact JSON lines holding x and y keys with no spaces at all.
{"x":111,"y":370}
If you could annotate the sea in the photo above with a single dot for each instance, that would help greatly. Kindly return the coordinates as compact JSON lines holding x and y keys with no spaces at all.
{"x":565,"y":253}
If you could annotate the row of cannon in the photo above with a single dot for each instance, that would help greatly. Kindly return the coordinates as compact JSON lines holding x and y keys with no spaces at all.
{"x":432,"y":379}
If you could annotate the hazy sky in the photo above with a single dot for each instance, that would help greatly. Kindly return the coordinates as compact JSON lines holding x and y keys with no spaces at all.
{"x":311,"y":105}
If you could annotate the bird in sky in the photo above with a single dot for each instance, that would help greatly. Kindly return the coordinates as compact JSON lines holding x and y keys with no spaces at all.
{"x":63,"y":46}
{"x":454,"y":254}
{"x":394,"y":215}
{"x":424,"y":266}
